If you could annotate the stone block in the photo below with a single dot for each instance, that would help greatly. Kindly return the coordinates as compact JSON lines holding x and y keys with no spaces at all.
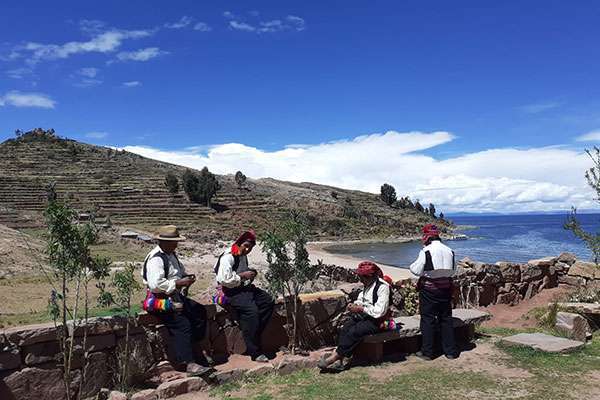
{"x":180,"y":386}
{"x":592,"y":309}
{"x":161,"y":373}
{"x":229,"y":375}
{"x":507,"y":298}
{"x":31,"y":334}
{"x":531,"y":272}
{"x":97,"y":374}
{"x":148,"y":394}
{"x":487,"y":295}
{"x":571,"y":280}
{"x":10,"y":359}
{"x":532,"y":289}
{"x":98,"y":342}
{"x":36,"y":383}
{"x":583,"y":269}
{"x":41,"y":353}
{"x":116,"y":395}
{"x":140,"y":357}
{"x":542,"y":262}
{"x":543,"y":342}
{"x":567,"y":258}
{"x":510,"y":272}
{"x":260,"y":370}
{"x":573,"y":325}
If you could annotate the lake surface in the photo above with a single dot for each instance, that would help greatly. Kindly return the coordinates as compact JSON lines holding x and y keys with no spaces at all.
{"x":516,"y":238}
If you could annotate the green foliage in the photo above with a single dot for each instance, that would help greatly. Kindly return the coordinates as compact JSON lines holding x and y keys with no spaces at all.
{"x":388,"y":194}
{"x":240,"y":179}
{"x":289,"y":268}
{"x":410,"y":297}
{"x":592,"y":175}
{"x":172,"y":183}
{"x":200,"y":188}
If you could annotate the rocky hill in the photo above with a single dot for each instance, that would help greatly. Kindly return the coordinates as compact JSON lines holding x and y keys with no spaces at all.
{"x":130,"y":190}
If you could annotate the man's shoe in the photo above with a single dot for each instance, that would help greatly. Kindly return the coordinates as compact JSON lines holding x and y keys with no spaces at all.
{"x":451,"y":356}
{"x":194,"y":369}
{"x":261,"y":359}
{"x":422,"y":356}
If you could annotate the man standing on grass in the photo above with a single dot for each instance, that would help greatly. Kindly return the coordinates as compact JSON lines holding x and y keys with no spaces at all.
{"x":435,"y":268}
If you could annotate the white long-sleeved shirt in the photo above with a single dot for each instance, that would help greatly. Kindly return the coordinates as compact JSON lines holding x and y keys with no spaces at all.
{"x":226,"y":276}
{"x":365,"y":299}
{"x":156,"y":281}
{"x":442,"y":261}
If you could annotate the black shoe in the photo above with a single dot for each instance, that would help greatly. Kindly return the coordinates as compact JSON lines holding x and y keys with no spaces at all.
{"x":451,"y":356}
{"x":422,"y":356}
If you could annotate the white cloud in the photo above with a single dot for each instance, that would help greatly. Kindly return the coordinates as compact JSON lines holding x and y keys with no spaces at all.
{"x":105,"y":42}
{"x":132,"y":83}
{"x":96,"y":135}
{"x":593,"y":136}
{"x":202,"y":27}
{"x":298,"y":23}
{"x":182,"y":23}
{"x":491,"y":180}
{"x":241,"y":26}
{"x":88,"y":72}
{"x":537,"y":108}
{"x":140,"y":55}
{"x":19,"y":73}
{"x":23,"y":99}
{"x":228,"y":15}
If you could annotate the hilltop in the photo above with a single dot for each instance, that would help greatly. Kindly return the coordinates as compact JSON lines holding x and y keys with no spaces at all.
{"x":130,"y":190}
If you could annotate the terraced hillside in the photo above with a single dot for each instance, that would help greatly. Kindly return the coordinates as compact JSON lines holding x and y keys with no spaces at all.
{"x":130,"y":190}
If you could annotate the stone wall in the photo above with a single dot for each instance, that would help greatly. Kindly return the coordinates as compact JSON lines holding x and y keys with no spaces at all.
{"x":30,"y":356}
{"x":480,"y":284}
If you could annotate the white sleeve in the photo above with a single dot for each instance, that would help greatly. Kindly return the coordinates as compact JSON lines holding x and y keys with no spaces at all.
{"x":156,"y":279}
{"x":418,"y":266}
{"x":379,"y":309}
{"x":226,"y":276}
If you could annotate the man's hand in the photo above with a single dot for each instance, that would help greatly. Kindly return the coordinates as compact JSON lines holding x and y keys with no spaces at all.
{"x":355,"y":308}
{"x":247,"y":275}
{"x":186,"y":281}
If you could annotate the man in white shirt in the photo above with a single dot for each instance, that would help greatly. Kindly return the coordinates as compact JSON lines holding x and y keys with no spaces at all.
{"x":435,"y":268}
{"x":254,"y":307}
{"x":164,"y":275}
{"x":367,"y":313}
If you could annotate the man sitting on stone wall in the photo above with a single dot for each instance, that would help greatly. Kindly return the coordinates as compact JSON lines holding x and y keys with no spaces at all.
{"x":435,"y":268}
{"x":366,"y":315}
{"x":167,"y":283}
{"x":253,"y":306}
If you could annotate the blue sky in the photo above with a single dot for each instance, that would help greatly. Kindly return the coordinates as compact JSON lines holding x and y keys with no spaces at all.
{"x":189,"y":78}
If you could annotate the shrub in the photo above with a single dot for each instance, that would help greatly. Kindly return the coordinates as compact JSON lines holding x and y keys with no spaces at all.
{"x":200,"y":188}
{"x":240,"y":179}
{"x":172,"y":183}
{"x":388,"y":194}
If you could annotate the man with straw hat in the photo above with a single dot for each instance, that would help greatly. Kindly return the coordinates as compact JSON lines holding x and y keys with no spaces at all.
{"x":167,"y":285}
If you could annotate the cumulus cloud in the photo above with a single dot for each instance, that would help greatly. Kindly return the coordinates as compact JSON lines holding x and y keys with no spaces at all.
{"x":96,"y":135}
{"x":104,"y":42}
{"x":182,"y":23}
{"x":22,"y":99}
{"x":202,"y":27}
{"x":593,"y":136}
{"x":132,"y":83}
{"x":241,"y":26}
{"x":492,"y":180}
{"x":140,"y":55}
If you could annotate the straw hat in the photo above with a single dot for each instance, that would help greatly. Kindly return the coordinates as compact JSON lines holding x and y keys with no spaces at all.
{"x":169,"y":233}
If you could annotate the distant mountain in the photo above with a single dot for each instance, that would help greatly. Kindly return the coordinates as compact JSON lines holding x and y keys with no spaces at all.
{"x":491,"y":214}
{"x":130,"y":190}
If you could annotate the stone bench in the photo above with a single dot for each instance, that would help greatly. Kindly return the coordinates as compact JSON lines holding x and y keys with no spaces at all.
{"x":407,"y":338}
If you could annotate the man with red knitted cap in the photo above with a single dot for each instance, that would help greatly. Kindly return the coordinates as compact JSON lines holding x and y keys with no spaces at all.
{"x":367,"y":312}
{"x":253,"y":306}
{"x":435,"y":268}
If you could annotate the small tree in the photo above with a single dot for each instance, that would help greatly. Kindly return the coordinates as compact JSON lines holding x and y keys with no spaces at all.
{"x":191,"y":185}
{"x":68,"y":248}
{"x":388,"y":194}
{"x":240,"y":179}
{"x":592,"y":175}
{"x":432,"y":210}
{"x":201,"y":188}
{"x":289,"y":268}
{"x":172,"y":183}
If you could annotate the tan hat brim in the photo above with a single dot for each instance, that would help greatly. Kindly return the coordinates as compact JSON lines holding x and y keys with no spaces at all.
{"x":170,"y":239}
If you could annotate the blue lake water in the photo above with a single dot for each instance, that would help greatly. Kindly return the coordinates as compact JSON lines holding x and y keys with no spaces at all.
{"x":516,"y":238}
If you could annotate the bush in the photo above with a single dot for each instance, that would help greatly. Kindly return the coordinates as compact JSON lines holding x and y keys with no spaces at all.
{"x":172,"y":183}
{"x":388,"y":194}
{"x":240,"y":179}
{"x":200,"y":188}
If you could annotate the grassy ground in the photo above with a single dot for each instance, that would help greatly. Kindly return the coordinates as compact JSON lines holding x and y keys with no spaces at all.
{"x":497,"y":372}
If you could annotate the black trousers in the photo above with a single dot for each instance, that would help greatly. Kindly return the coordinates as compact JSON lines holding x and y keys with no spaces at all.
{"x":435,"y":307}
{"x":185,"y":328}
{"x":353,"y":332}
{"x":254,"y":308}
